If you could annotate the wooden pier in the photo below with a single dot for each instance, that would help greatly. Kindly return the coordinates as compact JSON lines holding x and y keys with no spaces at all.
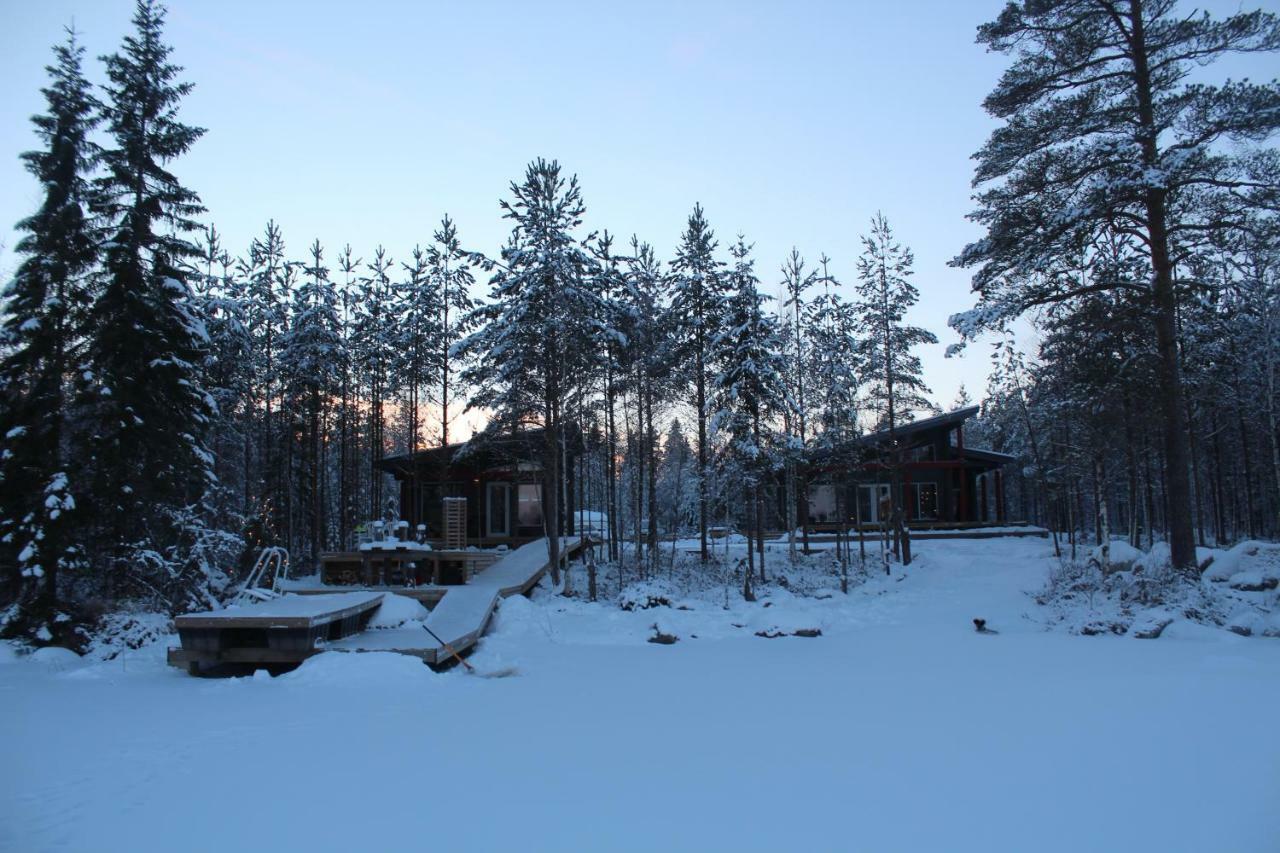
{"x":288,"y":630}
{"x":463,"y":615}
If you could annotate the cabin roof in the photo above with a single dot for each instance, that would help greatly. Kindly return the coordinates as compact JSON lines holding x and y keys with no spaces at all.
{"x":917,"y":433}
{"x":943,"y":421}
{"x":485,"y":449}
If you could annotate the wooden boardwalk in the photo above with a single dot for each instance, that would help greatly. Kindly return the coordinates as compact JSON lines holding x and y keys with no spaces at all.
{"x":291,"y":629}
{"x":462,"y":616}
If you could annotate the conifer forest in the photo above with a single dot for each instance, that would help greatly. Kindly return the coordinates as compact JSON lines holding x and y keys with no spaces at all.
{"x":170,"y":403}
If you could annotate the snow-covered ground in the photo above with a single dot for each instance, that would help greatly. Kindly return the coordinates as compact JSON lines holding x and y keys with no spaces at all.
{"x":899,"y":728}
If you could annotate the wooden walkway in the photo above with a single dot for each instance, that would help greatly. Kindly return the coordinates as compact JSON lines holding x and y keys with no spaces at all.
{"x":462,"y":616}
{"x":291,"y":629}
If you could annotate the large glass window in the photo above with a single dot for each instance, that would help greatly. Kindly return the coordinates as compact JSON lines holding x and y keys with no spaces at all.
{"x":529,"y":511}
{"x":926,"y":501}
{"x":822,"y":503}
{"x":498,"y":508}
{"x":873,"y":503}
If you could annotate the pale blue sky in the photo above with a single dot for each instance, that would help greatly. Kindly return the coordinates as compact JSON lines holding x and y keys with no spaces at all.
{"x":364,"y":122}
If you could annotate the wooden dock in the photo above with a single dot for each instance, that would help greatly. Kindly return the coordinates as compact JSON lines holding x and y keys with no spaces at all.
{"x":463,"y":615}
{"x":291,"y":629}
{"x":286,"y":630}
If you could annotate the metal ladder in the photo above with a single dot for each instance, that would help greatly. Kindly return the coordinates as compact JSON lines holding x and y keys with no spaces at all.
{"x":273,"y":561}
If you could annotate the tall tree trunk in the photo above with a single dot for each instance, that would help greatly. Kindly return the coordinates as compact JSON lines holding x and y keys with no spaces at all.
{"x":1181,"y":534}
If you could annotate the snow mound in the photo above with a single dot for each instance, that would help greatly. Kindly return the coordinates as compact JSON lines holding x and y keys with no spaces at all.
{"x":397,"y":610}
{"x":1253,"y":581}
{"x":1229,"y":563}
{"x":1122,"y":555}
{"x":56,"y":659}
{"x":517,"y":615}
{"x":8,"y":652}
{"x":643,"y":595}
{"x":1150,"y":624}
{"x":1159,"y":557}
{"x":365,"y":669}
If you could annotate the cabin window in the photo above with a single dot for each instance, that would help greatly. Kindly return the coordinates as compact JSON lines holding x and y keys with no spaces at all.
{"x":822,"y":503}
{"x":873,"y":503}
{"x":529,"y":512}
{"x":925,"y":501}
{"x":498,"y":508}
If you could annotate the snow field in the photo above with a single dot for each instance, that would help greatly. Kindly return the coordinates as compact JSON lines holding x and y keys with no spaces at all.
{"x":900,"y":728}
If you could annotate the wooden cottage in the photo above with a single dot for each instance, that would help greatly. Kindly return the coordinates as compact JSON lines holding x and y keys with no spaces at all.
{"x":944,"y":482}
{"x":501,"y":476}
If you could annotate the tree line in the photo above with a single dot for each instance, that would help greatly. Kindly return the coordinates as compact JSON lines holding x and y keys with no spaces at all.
{"x":167,"y":407}
{"x":170,"y":406}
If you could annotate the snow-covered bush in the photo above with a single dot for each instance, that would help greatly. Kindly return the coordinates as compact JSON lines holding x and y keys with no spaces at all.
{"x":643,"y":595}
{"x":1237,"y":590}
{"x":120,"y":632}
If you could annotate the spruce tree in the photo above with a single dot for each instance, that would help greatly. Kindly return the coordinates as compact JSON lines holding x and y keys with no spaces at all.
{"x":1102,"y":128}
{"x":310,"y":353}
{"x":267,"y":275}
{"x":220,"y":298}
{"x":39,"y":340}
{"x":148,"y":411}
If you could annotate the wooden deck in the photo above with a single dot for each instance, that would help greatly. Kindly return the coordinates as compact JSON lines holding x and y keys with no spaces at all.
{"x":286,"y":630}
{"x":314,"y":620}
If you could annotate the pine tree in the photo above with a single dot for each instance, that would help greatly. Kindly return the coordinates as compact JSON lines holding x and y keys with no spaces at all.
{"x":374,"y":330}
{"x":149,"y":413}
{"x":895,"y":389}
{"x":416,"y":357}
{"x":797,"y":324}
{"x":835,"y":365}
{"x":533,"y":344}
{"x":893,"y":372}
{"x":1103,"y":130}
{"x":612,"y":344}
{"x":698,"y":300}
{"x":450,"y":271}
{"x":39,"y":339}
{"x":650,"y":339}
{"x":749,"y":390}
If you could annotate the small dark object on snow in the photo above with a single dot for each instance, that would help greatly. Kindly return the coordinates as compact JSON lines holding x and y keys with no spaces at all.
{"x":661,"y":638}
{"x":980,"y":625}
{"x":768,"y":604}
{"x":771,"y":633}
{"x":807,"y":632}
